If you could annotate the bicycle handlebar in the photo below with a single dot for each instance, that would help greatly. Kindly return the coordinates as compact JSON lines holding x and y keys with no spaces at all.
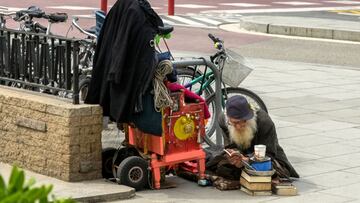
{"x":74,"y":22}
{"x":41,"y":27}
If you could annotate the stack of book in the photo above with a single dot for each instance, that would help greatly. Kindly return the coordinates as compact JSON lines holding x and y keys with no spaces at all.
{"x":255,"y":185}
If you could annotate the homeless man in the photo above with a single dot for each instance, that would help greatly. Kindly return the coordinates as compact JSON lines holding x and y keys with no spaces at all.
{"x":243,"y":128}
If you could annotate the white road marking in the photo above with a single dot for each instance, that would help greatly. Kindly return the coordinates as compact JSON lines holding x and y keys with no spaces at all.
{"x":73,"y":8}
{"x":185,"y":20}
{"x":295,"y":3}
{"x":193,"y":6}
{"x":280,"y":10}
{"x":207,"y":20}
{"x":344,"y":2}
{"x":84,"y":16}
{"x":243,"y":4}
{"x":4,"y":8}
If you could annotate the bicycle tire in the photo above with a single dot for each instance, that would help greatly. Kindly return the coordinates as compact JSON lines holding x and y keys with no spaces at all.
{"x":252,"y":98}
{"x":84,"y":87}
{"x":189,"y":71}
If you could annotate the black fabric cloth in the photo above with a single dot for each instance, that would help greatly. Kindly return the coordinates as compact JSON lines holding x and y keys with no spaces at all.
{"x":266,"y":135}
{"x":124,"y":59}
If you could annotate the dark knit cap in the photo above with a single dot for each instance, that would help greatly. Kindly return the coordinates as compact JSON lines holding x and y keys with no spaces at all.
{"x":237,"y":107}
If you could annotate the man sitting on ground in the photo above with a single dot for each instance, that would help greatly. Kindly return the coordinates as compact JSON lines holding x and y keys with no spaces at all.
{"x":243,"y":127}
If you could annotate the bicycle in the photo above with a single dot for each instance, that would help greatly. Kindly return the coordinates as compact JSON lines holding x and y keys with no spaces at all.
{"x":192,"y":78}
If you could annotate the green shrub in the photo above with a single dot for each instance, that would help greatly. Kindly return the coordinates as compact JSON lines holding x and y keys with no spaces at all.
{"x":17,"y":191}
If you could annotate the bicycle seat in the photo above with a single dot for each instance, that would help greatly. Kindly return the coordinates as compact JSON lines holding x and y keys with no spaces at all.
{"x":32,"y":12}
{"x":57,"y":17}
{"x":166,"y":29}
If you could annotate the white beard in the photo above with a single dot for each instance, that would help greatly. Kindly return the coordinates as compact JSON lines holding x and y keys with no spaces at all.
{"x":244,"y":137}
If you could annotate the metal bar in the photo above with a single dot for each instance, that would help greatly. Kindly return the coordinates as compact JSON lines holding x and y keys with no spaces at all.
{"x":31,"y":84}
{"x":76,"y":72}
{"x":185,"y":63}
{"x":68,"y":66}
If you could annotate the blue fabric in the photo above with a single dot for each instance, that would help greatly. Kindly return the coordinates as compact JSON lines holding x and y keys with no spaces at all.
{"x":149,"y":120}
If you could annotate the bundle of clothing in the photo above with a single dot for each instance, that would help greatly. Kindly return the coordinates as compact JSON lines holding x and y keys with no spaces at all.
{"x":124,"y":60}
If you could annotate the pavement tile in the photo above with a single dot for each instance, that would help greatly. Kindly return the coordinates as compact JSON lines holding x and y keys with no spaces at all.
{"x":305,"y":187}
{"x":341,"y":96}
{"x":328,"y":125}
{"x":271,"y":88}
{"x":353,"y":120}
{"x":349,"y":160}
{"x":290,"y":111}
{"x":337,"y":82}
{"x":305,"y":118}
{"x":333,"y":179}
{"x":296,"y":156}
{"x":315,"y":167}
{"x":287,"y":94}
{"x":309,"y":99}
{"x":313,"y":197}
{"x":337,"y":149}
{"x":323,"y":90}
{"x":293,"y":131}
{"x":351,"y":191}
{"x":355,"y":170}
{"x":281,"y":123}
{"x":305,"y":85}
{"x":329,"y":106}
{"x":309,"y":141}
{"x":342,"y":113}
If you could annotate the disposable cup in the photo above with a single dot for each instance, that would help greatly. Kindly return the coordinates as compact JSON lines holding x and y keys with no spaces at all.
{"x":259,"y":152}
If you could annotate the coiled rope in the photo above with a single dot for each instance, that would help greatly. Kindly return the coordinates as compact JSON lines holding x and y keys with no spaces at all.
{"x":161,"y":93}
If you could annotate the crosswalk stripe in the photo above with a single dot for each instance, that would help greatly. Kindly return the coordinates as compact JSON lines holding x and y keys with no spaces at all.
{"x":73,"y":8}
{"x":343,"y":2}
{"x":207,"y":20}
{"x":186,"y":21}
{"x":167,"y":21}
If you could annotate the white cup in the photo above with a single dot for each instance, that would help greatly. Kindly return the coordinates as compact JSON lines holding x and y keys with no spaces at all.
{"x":260,"y":151}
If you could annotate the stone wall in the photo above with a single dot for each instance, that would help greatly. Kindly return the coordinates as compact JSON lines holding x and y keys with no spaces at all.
{"x":50,"y":136}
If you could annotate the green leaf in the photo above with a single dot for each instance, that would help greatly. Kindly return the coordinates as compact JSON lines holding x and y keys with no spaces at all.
{"x":31,"y":182}
{"x":2,"y":187}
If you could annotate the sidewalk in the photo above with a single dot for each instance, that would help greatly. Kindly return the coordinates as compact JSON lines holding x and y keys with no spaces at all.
{"x":303,"y":26}
{"x":85,"y":191}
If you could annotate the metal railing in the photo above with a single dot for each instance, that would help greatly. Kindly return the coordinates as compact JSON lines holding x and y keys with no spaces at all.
{"x":39,"y":62}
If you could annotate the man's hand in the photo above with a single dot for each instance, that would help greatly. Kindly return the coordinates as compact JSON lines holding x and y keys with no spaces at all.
{"x":235,"y":158}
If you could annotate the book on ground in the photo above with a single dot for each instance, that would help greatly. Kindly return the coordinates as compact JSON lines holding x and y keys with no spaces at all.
{"x":255,"y":179}
{"x":255,"y":186}
{"x":287,"y":189}
{"x":256,"y":193}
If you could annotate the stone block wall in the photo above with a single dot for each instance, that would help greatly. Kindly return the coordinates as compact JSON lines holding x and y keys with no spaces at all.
{"x":50,"y":136}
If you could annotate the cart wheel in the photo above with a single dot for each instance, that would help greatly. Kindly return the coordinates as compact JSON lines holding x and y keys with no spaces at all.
{"x":121,"y":154}
{"x":133,"y":172}
{"x":107,"y":160}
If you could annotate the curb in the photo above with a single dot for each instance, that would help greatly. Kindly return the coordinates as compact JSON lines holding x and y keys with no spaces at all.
{"x":316,"y":28}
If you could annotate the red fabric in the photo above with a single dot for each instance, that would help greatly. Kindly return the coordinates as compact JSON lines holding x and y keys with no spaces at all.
{"x":173,"y":87}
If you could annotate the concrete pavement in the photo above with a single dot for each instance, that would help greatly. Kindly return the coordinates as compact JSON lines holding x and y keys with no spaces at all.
{"x":303,"y":26}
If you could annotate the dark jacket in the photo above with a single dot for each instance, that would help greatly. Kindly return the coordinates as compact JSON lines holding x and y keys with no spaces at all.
{"x":124,"y":59}
{"x":266,"y":135}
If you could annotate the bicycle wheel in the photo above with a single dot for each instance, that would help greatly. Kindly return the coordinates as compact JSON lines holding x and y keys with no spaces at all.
{"x":84,"y":88}
{"x":254,"y":100}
